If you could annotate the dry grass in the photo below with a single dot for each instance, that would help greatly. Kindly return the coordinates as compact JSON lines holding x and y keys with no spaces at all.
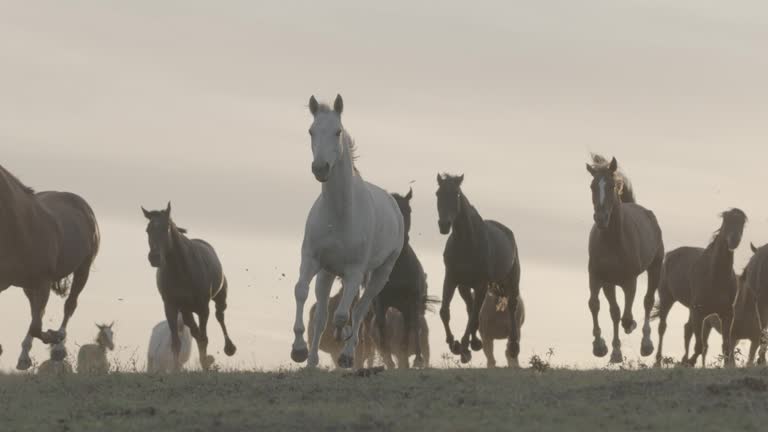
{"x":446,"y":400}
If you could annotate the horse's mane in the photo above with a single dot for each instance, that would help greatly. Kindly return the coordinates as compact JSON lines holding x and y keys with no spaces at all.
{"x":626,"y":191}
{"x":15,"y":181}
{"x":722,"y":215}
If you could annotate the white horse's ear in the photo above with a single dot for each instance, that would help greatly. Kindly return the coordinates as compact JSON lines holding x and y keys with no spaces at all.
{"x":168,"y":209}
{"x":146,"y":213}
{"x":614,"y":165}
{"x":409,"y":195}
{"x":313,"y":105}
{"x":338,"y":104}
{"x":753,"y":247}
{"x":461,"y":179}
{"x":590,"y":169}
{"x":439,"y":179}
{"x":111,"y":324}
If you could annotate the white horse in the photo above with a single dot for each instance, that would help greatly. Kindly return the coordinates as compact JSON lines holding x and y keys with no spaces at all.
{"x":354,"y":231}
{"x":159,"y":353}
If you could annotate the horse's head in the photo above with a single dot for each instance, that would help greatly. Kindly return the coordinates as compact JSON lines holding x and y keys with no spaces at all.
{"x":404,"y":202}
{"x":106,"y":337}
{"x":448,"y":200}
{"x":326,"y":136}
{"x":606,"y":191}
{"x":159,"y":234}
{"x":732,"y":228}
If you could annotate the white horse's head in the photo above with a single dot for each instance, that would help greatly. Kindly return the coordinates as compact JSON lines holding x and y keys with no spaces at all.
{"x":326,"y":134}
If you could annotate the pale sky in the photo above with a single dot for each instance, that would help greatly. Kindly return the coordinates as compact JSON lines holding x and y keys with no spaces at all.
{"x":204,"y":103}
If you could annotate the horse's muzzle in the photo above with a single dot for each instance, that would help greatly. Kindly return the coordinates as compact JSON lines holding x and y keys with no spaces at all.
{"x":155,"y":259}
{"x":321,"y":170}
{"x":602,"y":220}
{"x":445,"y":227}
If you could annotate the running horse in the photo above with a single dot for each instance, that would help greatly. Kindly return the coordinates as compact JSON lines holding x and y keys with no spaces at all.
{"x":625,"y":241}
{"x":46,"y":238}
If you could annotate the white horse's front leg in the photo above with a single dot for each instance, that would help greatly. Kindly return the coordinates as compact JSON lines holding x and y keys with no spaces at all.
{"x":350,"y":287}
{"x":309,"y":268}
{"x":323,"y":284}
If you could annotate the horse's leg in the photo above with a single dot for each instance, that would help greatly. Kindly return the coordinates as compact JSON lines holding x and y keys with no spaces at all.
{"x":761,"y":353}
{"x":172,"y":317}
{"x":628,"y":320}
{"x":599,"y":348}
{"x":610,"y":294}
{"x":488,"y":350}
{"x":323,"y":285}
{"x":38,"y":299}
{"x":350,"y":288}
{"x":473,"y":323}
{"x":410,"y":324}
{"x":221,"y":305}
{"x":376,"y":283}
{"x":206,"y":361}
{"x":469,"y":301}
{"x":308,"y":269}
{"x":513,"y":294}
{"x":449,"y":289}
{"x":79,"y":279}
{"x":726,"y":323}
{"x":380,"y":311}
{"x":697,"y":323}
{"x":654,"y":277}
{"x":687,"y":335}
{"x":753,"y":345}
{"x":705,"y":331}
{"x":665,"y":304}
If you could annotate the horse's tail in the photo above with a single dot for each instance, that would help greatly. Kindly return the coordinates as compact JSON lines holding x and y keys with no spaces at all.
{"x":627,"y":192}
{"x":62,"y":286}
{"x":430,"y":302}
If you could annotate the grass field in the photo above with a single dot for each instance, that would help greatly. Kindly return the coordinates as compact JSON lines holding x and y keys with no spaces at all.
{"x":434,"y":400}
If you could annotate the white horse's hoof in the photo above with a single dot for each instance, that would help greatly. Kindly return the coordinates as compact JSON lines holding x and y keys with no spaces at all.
{"x":346,"y":361}
{"x":313,"y":360}
{"x":299,"y":355}
{"x":617,"y":357}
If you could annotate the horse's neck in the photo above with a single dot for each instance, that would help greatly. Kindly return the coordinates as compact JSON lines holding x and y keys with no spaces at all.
{"x":178,"y":257}
{"x":337,"y":190}
{"x":614,"y":234}
{"x":722,"y":258}
{"x":468,"y":225}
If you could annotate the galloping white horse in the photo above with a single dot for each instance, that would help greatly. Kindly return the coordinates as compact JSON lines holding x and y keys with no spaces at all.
{"x":354,"y":231}
{"x":160,"y":356}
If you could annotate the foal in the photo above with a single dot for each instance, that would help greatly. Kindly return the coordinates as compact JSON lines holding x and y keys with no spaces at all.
{"x":92,"y":358}
{"x":495,"y":323}
{"x":189,"y":277}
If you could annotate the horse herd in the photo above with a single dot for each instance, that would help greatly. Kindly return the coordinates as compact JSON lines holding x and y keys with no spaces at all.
{"x":359,"y":233}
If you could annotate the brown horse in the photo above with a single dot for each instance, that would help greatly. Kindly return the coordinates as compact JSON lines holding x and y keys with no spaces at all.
{"x":46,"y":237}
{"x":332,"y":343}
{"x":396,"y":330}
{"x":703,"y":280}
{"x":495,"y":323}
{"x":750,"y":308}
{"x":625,"y":241}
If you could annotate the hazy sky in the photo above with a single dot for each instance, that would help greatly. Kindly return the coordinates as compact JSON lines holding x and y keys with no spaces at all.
{"x":204,"y":103}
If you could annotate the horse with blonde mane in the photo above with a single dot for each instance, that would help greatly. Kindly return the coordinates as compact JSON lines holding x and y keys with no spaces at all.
{"x":354,"y":231}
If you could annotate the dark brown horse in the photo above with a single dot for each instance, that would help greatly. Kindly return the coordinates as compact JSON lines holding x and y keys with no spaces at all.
{"x":479,"y":254}
{"x":750,"y":308}
{"x":703,"y":280}
{"x":189,"y":277}
{"x":46,"y":237}
{"x":625,"y":242}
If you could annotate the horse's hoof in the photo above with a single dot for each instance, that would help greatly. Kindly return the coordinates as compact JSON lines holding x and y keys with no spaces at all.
{"x":229,"y":348}
{"x":491,"y":365}
{"x":646,"y":348}
{"x":455,"y":348}
{"x":24,"y":363}
{"x":628,"y":329}
{"x":208,"y":362}
{"x":513,"y":364}
{"x":1,"y":350}
{"x":466,"y":357}
{"x":313,"y":360}
{"x":299,"y":355}
{"x":418,"y":362}
{"x":617,"y":357}
{"x":476,"y":345}
{"x":599,"y":348}
{"x":346,"y":361}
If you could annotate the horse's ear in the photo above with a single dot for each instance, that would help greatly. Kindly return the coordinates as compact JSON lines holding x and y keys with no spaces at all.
{"x":111,"y":324}
{"x":313,"y":105}
{"x":146,"y":213}
{"x":752,"y":246}
{"x":168,"y":209}
{"x":439,"y":179}
{"x":460,"y":180}
{"x":590,"y":169}
{"x":409,"y":195}
{"x":614,"y":165}
{"x":338,"y":104}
